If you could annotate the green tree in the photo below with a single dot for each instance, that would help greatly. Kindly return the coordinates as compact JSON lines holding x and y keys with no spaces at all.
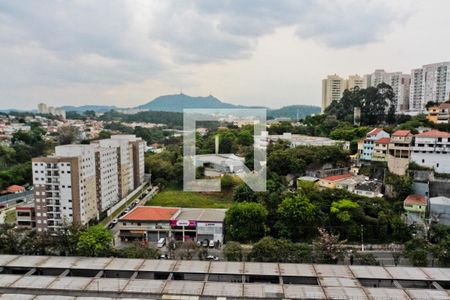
{"x":95,"y":241}
{"x":416,"y":251}
{"x":233,"y":251}
{"x":243,"y":192}
{"x":246,"y":222}
{"x":68,"y":134}
{"x":298,"y":218}
{"x":140,"y":250}
{"x":342,"y":209}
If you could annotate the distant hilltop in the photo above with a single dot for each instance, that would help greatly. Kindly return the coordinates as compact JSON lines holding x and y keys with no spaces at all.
{"x":178,"y":102}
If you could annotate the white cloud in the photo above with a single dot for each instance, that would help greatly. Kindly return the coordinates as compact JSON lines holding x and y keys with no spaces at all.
{"x":107,"y":48}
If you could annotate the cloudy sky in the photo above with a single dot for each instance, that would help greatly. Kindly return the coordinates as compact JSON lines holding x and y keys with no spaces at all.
{"x":271,"y":53}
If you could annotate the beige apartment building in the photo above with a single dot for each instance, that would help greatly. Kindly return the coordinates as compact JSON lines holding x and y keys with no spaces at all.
{"x":65,"y":187}
{"x":333,"y":87}
{"x":78,"y":182}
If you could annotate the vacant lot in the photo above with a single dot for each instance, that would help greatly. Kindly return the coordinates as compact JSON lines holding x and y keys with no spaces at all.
{"x":177,"y":198}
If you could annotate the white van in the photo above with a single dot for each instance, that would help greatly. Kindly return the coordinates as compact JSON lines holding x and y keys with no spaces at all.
{"x":161,"y":242}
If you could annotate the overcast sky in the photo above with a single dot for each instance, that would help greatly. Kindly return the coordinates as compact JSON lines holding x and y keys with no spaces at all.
{"x":271,"y":53}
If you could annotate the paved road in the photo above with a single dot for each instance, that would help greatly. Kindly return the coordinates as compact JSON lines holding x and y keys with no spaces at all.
{"x":152,"y":191}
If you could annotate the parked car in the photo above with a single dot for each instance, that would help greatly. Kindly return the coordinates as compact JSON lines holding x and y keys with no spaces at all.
{"x":163,"y":256}
{"x":136,"y":201}
{"x":205,"y":243}
{"x":115,"y":221}
{"x":111,"y":225}
{"x":212,"y":244}
{"x":212,"y":257}
{"x":161,"y":242}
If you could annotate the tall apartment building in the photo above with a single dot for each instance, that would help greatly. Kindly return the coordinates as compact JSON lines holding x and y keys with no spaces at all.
{"x":107,"y":180}
{"x":80,"y":181}
{"x":429,"y":83}
{"x":356,"y":81}
{"x":333,"y":87}
{"x":64,"y":187}
{"x":399,"y":82}
{"x":124,"y":163}
{"x":138,"y":147}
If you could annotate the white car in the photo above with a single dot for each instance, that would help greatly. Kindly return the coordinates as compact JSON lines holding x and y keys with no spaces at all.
{"x":212,"y":244}
{"x":115,"y":221}
{"x":212,"y":257}
{"x":161,"y":242}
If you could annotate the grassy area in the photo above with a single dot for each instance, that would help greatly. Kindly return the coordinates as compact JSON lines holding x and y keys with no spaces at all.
{"x":10,"y":216}
{"x":177,"y":198}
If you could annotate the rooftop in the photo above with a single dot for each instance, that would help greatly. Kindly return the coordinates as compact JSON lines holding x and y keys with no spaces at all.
{"x":384,"y":140}
{"x":402,"y":133}
{"x":374,"y":131}
{"x":440,"y":200}
{"x":338,"y":177}
{"x":434,"y":134}
{"x":114,"y":278}
{"x":415,"y":199}
{"x":150,"y":213}
{"x":202,"y":214}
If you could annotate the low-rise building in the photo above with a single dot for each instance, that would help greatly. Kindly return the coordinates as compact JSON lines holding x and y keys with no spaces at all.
{"x":380,"y":149}
{"x":399,"y":152}
{"x":365,"y":149}
{"x":432,"y":150}
{"x":151,"y":223}
{"x":332,"y":181}
{"x":415,"y":206}
{"x":370,"y":188}
{"x":351,"y":183}
{"x":148,"y":223}
{"x":439,"y":208}
{"x":439,"y":114}
{"x":25,"y":216}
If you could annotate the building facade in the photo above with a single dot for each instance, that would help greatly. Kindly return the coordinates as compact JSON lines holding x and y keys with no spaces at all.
{"x":432,"y":150}
{"x":429,"y":83}
{"x":366,"y":148}
{"x":333,"y":88}
{"x":138,"y":149}
{"x":80,"y":181}
{"x":399,"y":152}
{"x":64,"y":187}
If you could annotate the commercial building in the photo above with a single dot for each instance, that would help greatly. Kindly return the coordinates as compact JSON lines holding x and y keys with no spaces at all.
{"x":399,"y":152}
{"x":81,"y":181}
{"x":151,"y":223}
{"x":429,"y":83}
{"x":432,"y":150}
{"x":107,"y":278}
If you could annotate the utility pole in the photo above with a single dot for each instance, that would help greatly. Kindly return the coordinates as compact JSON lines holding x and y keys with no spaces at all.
{"x":362,"y":238}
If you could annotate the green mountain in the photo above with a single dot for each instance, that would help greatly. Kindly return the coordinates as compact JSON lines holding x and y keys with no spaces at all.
{"x":293,"y":112}
{"x":176,"y":103}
